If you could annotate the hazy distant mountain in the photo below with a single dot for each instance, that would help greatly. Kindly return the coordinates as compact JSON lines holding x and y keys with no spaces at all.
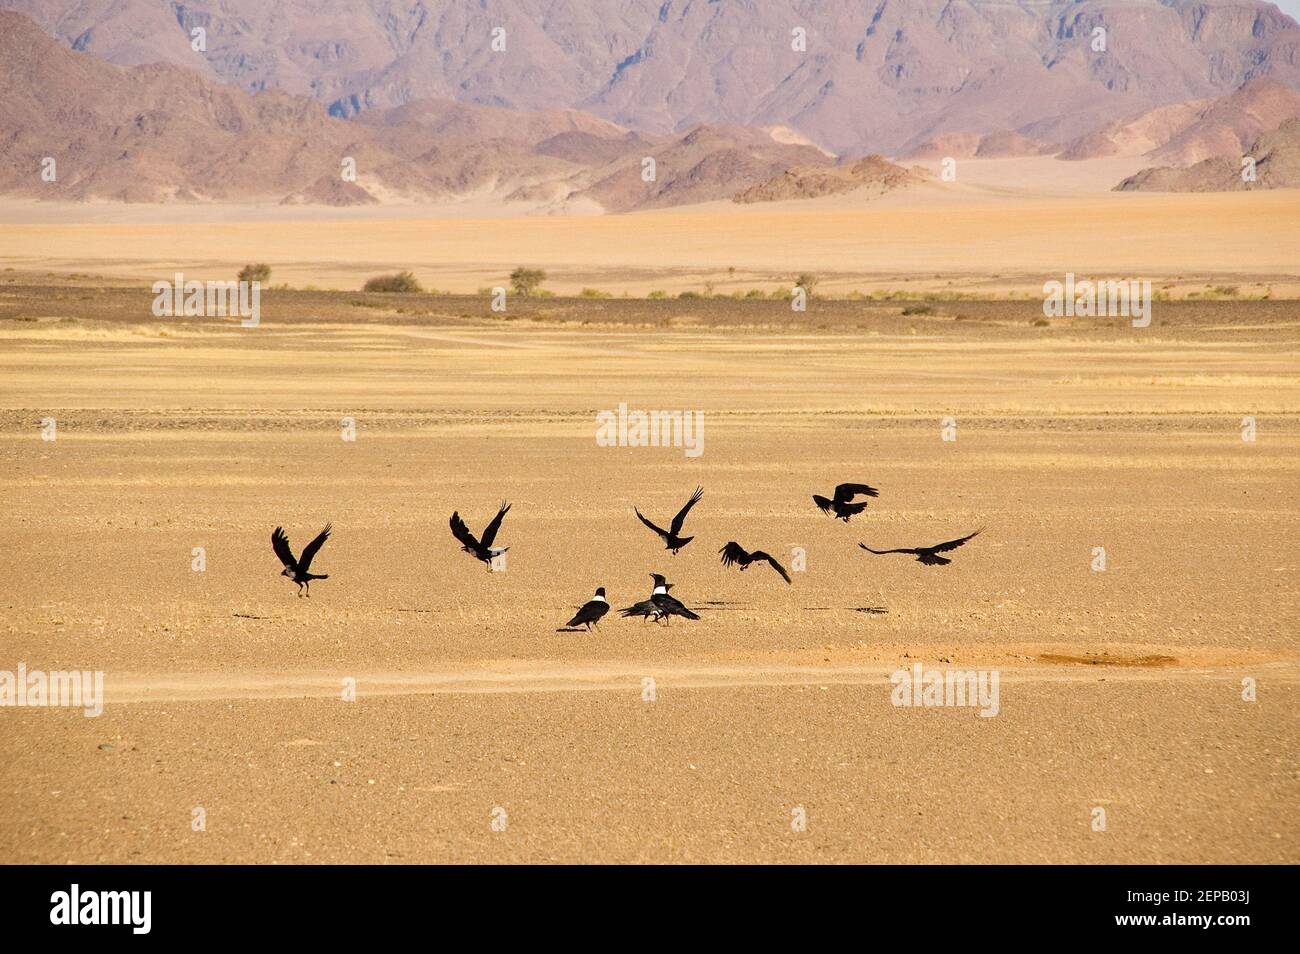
{"x":1187,"y":133}
{"x":870,"y":176}
{"x":163,"y":132}
{"x":1277,"y":166}
{"x":877,"y":75}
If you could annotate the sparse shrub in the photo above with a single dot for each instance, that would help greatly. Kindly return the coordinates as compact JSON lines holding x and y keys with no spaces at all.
{"x":255,"y":273}
{"x":756,"y":293}
{"x":400,"y":282}
{"x":657,"y":294}
{"x":1040,"y":323}
{"x":593,"y":293}
{"x":807,"y":281}
{"x":688,"y":294}
{"x":918,"y":310}
{"x":526,"y":281}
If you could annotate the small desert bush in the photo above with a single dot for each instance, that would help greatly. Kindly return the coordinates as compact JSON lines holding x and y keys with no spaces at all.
{"x":689,"y":295}
{"x":756,"y":293}
{"x":593,"y":293}
{"x":657,"y":295}
{"x":807,"y":281}
{"x":918,"y":310}
{"x":255,"y":273}
{"x":527,"y":281}
{"x":399,"y":282}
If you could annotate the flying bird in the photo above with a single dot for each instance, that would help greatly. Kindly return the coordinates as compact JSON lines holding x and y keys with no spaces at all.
{"x":297,"y":569}
{"x":591,"y":611}
{"x":840,"y":507}
{"x":480,"y":549}
{"x":733,"y":553}
{"x":929,"y":555}
{"x":671,"y":539}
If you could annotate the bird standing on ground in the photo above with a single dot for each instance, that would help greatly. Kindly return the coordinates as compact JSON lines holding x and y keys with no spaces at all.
{"x":929,"y":555}
{"x":840,"y":507}
{"x":646,"y":608}
{"x":671,"y":539}
{"x":480,"y":549}
{"x":591,"y":611}
{"x":667,"y":605}
{"x":733,"y":553}
{"x":297,"y":569}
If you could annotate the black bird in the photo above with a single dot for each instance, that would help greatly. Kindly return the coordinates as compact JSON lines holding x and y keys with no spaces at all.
{"x":297,"y":569}
{"x":668,"y":606}
{"x":671,"y":540}
{"x":929,"y":555}
{"x":591,"y":611}
{"x":733,"y":553}
{"x":840,"y":507}
{"x":647,"y":608}
{"x":480,"y":550}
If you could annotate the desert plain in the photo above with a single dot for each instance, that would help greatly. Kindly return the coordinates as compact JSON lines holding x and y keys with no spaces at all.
{"x":482,"y":731}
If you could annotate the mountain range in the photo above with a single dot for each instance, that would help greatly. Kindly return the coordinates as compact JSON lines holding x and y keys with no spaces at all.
{"x":558,"y":104}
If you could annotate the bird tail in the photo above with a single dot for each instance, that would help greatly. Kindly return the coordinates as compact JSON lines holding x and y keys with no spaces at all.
{"x":318,"y":576}
{"x":687,"y":613}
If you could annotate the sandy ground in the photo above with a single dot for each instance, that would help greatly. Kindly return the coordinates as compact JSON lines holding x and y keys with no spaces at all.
{"x":987,"y":233}
{"x":1120,"y":690}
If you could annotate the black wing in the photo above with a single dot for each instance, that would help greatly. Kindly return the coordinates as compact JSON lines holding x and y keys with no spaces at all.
{"x":280,"y":543}
{"x":760,"y":555}
{"x":883,"y":552}
{"x":734,"y":553}
{"x":589,"y":613}
{"x":822,"y":502}
{"x":663,"y":533}
{"x":952,"y":544}
{"x":490,"y":533}
{"x":681,"y":514}
{"x":461,"y":532}
{"x":671,"y":604}
{"x":846,"y":492}
{"x":310,"y":549}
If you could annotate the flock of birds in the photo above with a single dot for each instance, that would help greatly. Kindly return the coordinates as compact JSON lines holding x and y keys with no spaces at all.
{"x":660,"y":604}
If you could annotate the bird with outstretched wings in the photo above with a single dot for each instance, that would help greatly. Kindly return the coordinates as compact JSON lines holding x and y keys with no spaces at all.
{"x":929,"y":555}
{"x":298,"y":569}
{"x":733,"y":554}
{"x":480,"y":549}
{"x":841,"y":506}
{"x":672,"y":536}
